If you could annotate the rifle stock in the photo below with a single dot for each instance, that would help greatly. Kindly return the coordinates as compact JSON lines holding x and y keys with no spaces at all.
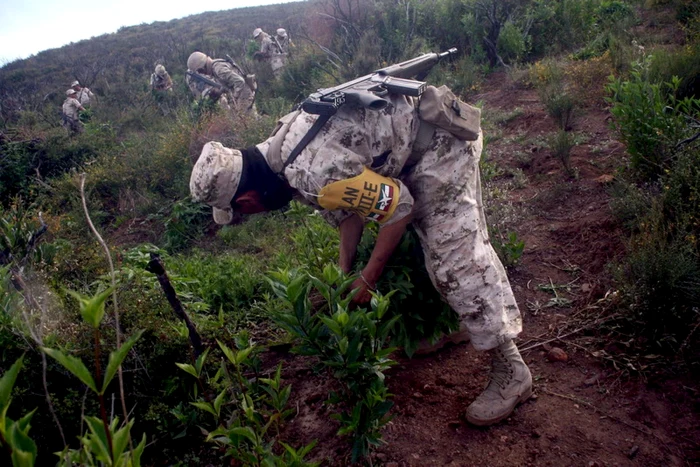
{"x":368,"y":91}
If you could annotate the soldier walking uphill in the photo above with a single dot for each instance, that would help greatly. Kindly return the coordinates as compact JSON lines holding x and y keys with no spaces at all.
{"x":84,"y":95}
{"x":221,"y":78}
{"x":70,"y":118}
{"x":361,"y":167}
{"x":270,"y":51}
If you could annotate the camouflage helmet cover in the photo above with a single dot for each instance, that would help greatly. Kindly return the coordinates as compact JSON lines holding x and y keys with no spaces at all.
{"x":257,"y":32}
{"x":160,"y":70}
{"x":215,"y":177}
{"x":70,"y":92}
{"x":75,"y":83}
{"x":281,"y":32}
{"x":196,"y":61}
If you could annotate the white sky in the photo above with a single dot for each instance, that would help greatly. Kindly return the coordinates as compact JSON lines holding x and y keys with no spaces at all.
{"x":30,"y":26}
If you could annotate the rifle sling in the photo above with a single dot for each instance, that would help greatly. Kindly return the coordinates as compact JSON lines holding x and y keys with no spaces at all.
{"x":311,"y":134}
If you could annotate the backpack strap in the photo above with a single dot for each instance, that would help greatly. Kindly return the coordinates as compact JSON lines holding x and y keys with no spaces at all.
{"x":311,"y":134}
{"x":274,"y":151}
{"x":424,"y":137}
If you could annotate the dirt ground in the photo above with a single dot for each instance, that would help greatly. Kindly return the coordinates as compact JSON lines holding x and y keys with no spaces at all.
{"x":593,"y":409}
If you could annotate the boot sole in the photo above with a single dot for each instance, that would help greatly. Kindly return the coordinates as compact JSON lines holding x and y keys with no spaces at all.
{"x":492,"y":421}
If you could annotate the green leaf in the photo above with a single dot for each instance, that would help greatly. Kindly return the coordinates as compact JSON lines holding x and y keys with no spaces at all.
{"x":120,"y":439}
{"x":7,"y":382}
{"x":92,"y":309}
{"x":244,"y":431}
{"x":206,"y":406}
{"x":23,"y":447}
{"x":219,"y":401}
{"x":98,"y":441}
{"x":227,"y":352}
{"x":138,"y":451}
{"x":74,"y":365}
{"x":117,"y":357}
{"x":242,"y":355}
{"x":187,"y":368}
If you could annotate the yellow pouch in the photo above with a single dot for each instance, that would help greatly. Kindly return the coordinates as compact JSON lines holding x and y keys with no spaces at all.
{"x":369,"y":195}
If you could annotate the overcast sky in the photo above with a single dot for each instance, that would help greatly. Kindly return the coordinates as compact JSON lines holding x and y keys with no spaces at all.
{"x":30,"y":26}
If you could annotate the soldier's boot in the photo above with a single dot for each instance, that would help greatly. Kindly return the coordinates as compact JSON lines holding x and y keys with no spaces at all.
{"x":510,"y":383}
{"x":458,"y":337}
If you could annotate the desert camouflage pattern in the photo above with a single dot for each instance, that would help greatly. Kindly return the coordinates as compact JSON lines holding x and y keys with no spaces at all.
{"x":443,"y":191}
{"x":84,"y":96}
{"x":283,"y":42}
{"x":161,"y":83}
{"x":242,"y":94}
{"x":71,"y":115}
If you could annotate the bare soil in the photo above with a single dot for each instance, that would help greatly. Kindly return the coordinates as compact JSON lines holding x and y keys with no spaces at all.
{"x":596,"y":408}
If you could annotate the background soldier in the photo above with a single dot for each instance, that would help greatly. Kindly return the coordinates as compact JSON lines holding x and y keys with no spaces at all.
{"x":231,"y":79}
{"x":84,"y":94}
{"x":161,"y":80}
{"x":270,"y":51}
{"x":283,"y":40}
{"x":70,"y":118}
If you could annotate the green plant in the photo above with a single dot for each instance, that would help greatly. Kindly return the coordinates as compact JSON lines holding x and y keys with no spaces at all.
{"x":248,"y":411}
{"x":561,"y":144}
{"x":509,"y":249}
{"x":105,"y":443}
{"x":651,"y":120}
{"x":14,"y":435}
{"x":350,"y":343}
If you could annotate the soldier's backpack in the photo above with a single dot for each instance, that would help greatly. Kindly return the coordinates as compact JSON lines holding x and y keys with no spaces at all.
{"x":440,"y":107}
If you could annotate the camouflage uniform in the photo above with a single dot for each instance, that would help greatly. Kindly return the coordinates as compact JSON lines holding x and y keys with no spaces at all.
{"x":270,"y":50}
{"x":84,"y":96}
{"x":161,"y":81}
{"x":227,"y":75}
{"x":71,"y":117}
{"x":442,"y":190}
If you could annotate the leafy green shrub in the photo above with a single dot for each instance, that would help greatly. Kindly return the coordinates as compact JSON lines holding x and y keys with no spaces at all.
{"x":352,"y":344}
{"x":14,"y":435}
{"x":513,"y":45}
{"x":422,"y":312}
{"x":561,"y":144}
{"x":508,"y":248}
{"x":185,"y":224}
{"x":651,"y":120}
{"x":684,"y":63}
{"x":248,"y":411}
{"x":221,"y":282}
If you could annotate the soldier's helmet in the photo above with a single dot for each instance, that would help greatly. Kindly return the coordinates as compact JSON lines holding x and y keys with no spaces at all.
{"x":281,"y":32}
{"x":70,"y":92}
{"x":75,"y":83}
{"x":160,"y":70}
{"x":257,"y":32}
{"x":196,"y":61}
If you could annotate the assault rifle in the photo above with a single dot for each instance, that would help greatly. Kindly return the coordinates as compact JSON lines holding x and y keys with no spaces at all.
{"x":206,"y":80}
{"x":368,"y":91}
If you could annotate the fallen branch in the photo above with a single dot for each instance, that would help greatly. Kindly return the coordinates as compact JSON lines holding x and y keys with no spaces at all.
{"x":155,"y":265}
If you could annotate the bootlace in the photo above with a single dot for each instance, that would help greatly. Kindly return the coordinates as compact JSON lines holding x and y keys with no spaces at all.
{"x":501,"y":371}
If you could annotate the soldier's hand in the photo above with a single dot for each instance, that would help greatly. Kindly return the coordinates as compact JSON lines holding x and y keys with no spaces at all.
{"x":363,"y":296}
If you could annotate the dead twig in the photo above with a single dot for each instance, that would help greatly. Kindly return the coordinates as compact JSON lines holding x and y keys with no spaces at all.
{"x":114,"y":295}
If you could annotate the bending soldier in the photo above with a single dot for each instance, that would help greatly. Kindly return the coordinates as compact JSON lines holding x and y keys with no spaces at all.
{"x":230,"y":78}
{"x":372,"y":166}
